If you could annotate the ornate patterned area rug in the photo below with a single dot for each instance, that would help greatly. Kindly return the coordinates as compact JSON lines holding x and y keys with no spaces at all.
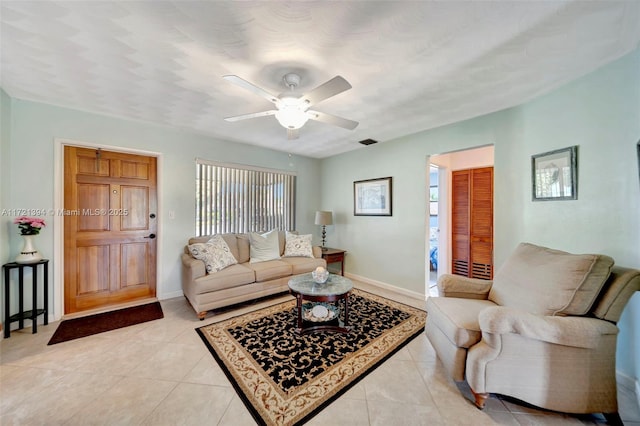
{"x":284,"y":378}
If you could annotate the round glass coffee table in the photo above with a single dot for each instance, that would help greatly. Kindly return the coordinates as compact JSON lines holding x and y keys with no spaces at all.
{"x":336,"y":289}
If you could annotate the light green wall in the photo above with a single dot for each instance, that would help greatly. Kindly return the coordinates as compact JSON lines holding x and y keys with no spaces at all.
{"x":392,"y":249}
{"x":5,"y":135}
{"x":35,"y":126}
{"x":599,"y":112}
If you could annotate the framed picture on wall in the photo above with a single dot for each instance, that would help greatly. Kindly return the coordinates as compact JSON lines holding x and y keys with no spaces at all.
{"x":372,"y":197}
{"x":554,"y":175}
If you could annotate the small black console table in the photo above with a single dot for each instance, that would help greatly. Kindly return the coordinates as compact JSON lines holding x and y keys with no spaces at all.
{"x":34,"y":312}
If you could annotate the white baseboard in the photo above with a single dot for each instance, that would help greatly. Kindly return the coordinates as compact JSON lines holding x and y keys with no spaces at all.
{"x":405,"y":292}
{"x":386,"y":286}
{"x":626,"y":381}
{"x":630,"y":383}
{"x":171,"y":295}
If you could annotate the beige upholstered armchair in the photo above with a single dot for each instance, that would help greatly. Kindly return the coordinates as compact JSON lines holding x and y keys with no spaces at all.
{"x":543,"y":331}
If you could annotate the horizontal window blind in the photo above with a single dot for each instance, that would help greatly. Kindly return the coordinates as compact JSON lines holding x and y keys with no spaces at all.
{"x":234,"y":198}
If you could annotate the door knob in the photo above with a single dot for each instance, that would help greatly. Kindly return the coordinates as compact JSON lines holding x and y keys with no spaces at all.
{"x":152,"y":236}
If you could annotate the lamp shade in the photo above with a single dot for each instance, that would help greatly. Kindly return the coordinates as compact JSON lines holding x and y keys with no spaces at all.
{"x":324,"y":218}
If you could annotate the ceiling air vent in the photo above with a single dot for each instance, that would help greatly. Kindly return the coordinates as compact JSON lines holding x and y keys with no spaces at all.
{"x":368,"y":142}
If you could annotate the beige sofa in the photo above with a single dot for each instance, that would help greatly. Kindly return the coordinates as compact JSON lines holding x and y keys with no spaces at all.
{"x":543,"y":331}
{"x":243,"y":281}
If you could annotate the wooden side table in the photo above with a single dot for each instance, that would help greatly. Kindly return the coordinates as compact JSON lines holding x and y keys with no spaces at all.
{"x":34,"y":312}
{"x":332,"y":255}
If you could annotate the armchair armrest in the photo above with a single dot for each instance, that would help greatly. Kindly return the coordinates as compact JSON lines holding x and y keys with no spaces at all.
{"x":450,"y":285}
{"x":192,"y":268}
{"x":317,"y":251}
{"x":580,"y":332}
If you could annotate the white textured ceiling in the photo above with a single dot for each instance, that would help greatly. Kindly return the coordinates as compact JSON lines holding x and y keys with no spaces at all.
{"x":413,"y":65}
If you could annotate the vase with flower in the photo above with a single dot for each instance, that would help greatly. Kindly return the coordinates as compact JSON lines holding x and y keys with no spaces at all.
{"x":29,"y":227}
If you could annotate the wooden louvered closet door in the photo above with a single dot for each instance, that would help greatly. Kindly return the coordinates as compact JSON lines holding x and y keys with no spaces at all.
{"x":472,"y":223}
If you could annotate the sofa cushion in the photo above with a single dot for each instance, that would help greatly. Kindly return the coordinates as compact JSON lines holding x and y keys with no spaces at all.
{"x":457,"y":318}
{"x":298,"y":245}
{"x":302,"y":265}
{"x":544,"y":281}
{"x":282,"y":240}
{"x":264,"y":247}
{"x":270,"y":270}
{"x":244,"y":252}
{"x":233,"y":276}
{"x":215,"y":254}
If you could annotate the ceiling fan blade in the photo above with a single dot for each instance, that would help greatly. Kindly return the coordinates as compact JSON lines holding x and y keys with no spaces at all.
{"x":332,"y":119}
{"x":252,"y":115}
{"x":292,"y":134}
{"x":330,"y":88}
{"x":250,"y":87}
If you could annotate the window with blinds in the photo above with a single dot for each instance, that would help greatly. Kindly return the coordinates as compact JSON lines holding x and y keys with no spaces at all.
{"x":236,"y":198}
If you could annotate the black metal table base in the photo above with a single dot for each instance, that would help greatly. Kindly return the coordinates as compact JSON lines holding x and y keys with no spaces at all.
{"x":34,"y":312}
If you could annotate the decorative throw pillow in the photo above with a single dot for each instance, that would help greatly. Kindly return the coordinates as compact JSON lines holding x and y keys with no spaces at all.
{"x":264,"y":246}
{"x":215,"y":254}
{"x":298,"y":245}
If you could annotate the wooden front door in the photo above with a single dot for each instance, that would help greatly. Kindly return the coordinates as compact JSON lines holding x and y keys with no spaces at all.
{"x":110,"y":208}
{"x":472,"y":223}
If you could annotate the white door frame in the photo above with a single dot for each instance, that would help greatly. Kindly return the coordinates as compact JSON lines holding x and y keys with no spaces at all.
{"x":57,"y":293}
{"x":444,"y":220}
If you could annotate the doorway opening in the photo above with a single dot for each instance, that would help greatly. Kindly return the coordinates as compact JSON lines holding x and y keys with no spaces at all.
{"x":434,"y":228}
{"x":439,"y":230}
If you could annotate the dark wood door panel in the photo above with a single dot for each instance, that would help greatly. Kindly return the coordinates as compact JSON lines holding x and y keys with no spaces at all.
{"x":109,"y":257}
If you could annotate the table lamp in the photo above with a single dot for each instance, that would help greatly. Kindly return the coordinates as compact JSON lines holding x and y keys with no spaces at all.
{"x":324,"y":218}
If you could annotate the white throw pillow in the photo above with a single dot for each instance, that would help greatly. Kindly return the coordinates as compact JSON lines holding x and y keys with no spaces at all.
{"x":298,"y":245}
{"x":215,"y":254}
{"x":264,"y":247}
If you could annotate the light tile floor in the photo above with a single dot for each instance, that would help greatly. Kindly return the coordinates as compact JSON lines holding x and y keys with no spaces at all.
{"x":160,"y":373}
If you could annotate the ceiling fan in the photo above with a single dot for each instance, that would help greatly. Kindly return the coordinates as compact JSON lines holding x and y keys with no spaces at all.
{"x":293,"y":109}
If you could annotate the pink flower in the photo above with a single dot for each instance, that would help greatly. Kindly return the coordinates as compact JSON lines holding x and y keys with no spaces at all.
{"x":29,"y":225}
{"x":21,"y":219}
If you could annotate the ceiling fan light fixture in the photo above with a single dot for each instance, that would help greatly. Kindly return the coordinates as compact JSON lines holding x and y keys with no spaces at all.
{"x":291,"y":117}
{"x":292,"y":108}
